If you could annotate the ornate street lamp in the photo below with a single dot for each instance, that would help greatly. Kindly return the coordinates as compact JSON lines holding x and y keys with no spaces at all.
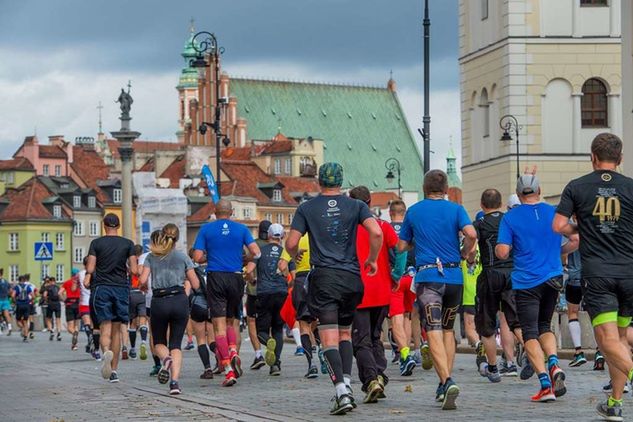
{"x":510,"y":125}
{"x":393,"y":165}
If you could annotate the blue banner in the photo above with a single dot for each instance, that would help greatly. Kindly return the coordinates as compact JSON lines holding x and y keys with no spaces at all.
{"x":213,"y":188}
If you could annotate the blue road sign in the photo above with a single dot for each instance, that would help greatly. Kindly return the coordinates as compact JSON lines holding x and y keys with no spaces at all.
{"x":43,"y":251}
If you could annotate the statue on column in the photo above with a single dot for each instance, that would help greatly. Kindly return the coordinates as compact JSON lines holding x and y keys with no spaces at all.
{"x":125,"y":100}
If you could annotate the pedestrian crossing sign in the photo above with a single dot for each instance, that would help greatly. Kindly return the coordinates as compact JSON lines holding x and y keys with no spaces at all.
{"x":43,"y":251}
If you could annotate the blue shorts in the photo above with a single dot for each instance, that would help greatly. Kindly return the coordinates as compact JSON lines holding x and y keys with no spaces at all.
{"x":111,"y":303}
{"x":5,"y":305}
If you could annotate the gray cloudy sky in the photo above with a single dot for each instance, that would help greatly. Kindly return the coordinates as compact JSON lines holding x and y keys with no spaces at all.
{"x":58,"y":59}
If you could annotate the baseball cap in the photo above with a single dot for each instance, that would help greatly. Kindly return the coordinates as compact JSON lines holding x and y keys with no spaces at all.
{"x":74,"y":271}
{"x":111,"y":220}
{"x":276,"y":231}
{"x":513,"y":201}
{"x":331,"y":175}
{"x":263,"y":229}
{"x":527,"y":184}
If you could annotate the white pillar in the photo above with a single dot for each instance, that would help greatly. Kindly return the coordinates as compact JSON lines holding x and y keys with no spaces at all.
{"x":575,"y":7}
{"x":615,"y":114}
{"x":614,"y":18}
{"x":577,"y":123}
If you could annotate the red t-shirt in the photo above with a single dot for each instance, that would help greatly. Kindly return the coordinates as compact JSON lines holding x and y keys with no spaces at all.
{"x":72,"y":296}
{"x":377,"y":287}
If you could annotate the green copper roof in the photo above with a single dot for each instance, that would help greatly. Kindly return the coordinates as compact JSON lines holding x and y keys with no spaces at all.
{"x":451,"y":170}
{"x":189,"y":75}
{"x":361,"y":127}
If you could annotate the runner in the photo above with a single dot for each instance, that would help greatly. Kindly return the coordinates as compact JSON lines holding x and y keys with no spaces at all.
{"x":494,"y":286}
{"x":5,"y":306}
{"x":573,"y":294}
{"x":70,"y":294}
{"x":169,"y":268}
{"x":138,"y":313}
{"x":92,"y":334}
{"x":537,"y":277}
{"x":434,"y":224}
{"x":223,"y":241}
{"x":109,"y":259}
{"x":32,"y":311}
{"x":602,"y":202}
{"x":272,"y":291}
{"x":470,"y":273}
{"x":54,"y":311}
{"x":147,"y":288}
{"x":22,"y":294}
{"x":336,"y":289}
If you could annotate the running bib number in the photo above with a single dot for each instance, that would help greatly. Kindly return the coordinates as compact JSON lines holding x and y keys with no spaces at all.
{"x":607,"y":209}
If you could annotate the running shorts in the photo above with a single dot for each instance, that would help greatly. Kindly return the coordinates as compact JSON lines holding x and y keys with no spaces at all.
{"x":22,"y":311}
{"x":111,"y":303}
{"x":535,"y":308}
{"x":54,"y":310}
{"x":608,"y":295}
{"x":72,"y":312}
{"x":170,"y":318}
{"x":199,"y":309}
{"x":402,"y":298}
{"x":224,"y":294}
{"x":334,"y":295}
{"x":300,"y":297}
{"x":251,"y":306}
{"x":5,"y":305}
{"x":439,"y":304}
{"x":494,"y":294}
{"x":137,"y":304}
{"x":84,"y":310}
{"x":573,"y":294}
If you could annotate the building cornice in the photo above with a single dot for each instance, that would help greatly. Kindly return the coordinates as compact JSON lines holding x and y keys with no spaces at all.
{"x":533,"y":157}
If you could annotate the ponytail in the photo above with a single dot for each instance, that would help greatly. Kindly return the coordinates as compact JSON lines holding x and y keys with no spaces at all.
{"x":163,"y":242}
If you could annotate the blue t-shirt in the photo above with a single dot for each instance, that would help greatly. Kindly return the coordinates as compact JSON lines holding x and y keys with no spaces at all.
{"x":4,"y":289}
{"x":434,"y":226}
{"x":23,"y":294}
{"x":536,"y":247}
{"x":224,"y":242}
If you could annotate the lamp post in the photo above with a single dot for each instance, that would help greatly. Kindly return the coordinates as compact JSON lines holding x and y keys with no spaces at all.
{"x":426,"y":120}
{"x":392,"y":164}
{"x":206,"y":43}
{"x":509,"y":124}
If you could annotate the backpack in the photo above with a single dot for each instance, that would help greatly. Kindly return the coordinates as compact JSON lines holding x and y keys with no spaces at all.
{"x":23,"y":293}
{"x":53,"y":293}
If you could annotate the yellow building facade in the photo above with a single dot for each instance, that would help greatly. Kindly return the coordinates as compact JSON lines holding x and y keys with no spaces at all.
{"x":556,"y":67}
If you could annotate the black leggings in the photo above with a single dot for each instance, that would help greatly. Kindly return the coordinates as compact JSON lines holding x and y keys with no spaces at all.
{"x":169,"y":312}
{"x":269,"y":319}
{"x":535,"y":308}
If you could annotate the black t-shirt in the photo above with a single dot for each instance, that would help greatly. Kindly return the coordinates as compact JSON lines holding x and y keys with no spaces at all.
{"x":487,"y":232}
{"x":332,"y":222}
{"x":410,"y":253}
{"x":602,"y":202}
{"x":112,"y":253}
{"x":52,"y":294}
{"x":269,"y":279}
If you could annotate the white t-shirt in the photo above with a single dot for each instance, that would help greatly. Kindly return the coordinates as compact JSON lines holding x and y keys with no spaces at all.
{"x":148,"y":295}
{"x":84,"y":300}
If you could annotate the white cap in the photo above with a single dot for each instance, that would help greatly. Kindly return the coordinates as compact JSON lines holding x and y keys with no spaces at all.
{"x":276,"y":231}
{"x":513,"y":201}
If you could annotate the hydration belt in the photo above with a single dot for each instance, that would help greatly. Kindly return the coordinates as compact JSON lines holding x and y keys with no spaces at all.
{"x":169,"y":291}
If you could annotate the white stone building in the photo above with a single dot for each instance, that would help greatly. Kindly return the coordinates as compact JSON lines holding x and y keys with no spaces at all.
{"x":627,"y":84}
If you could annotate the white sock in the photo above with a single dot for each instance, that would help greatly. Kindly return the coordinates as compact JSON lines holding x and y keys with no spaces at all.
{"x":296,"y":334}
{"x":574,"y":331}
{"x":348,"y":381}
{"x":341,"y":389}
{"x":258,"y":353}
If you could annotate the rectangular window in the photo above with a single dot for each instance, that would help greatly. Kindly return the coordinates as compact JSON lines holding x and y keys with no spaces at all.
{"x":288,"y":166}
{"x":46,"y":237}
{"x":117,"y":196}
{"x":290,"y":217}
{"x":59,"y":241}
{"x":268,"y":216}
{"x":14,"y":273}
{"x":58,"y":170}
{"x":45,"y":170}
{"x":59,"y":272}
{"x":599,"y":3}
{"x":93,"y":229}
{"x":14,"y":242}
{"x":92,"y":202}
{"x":57,"y":211}
{"x":76,"y":201}
{"x":277,"y":166}
{"x":10,"y":178}
{"x":246,"y":212}
{"x":46,"y":270}
{"x":79,"y":229}
{"x":484,"y":9}
{"x":280,"y":218}
{"x":277,"y":195}
{"x":78,"y":255}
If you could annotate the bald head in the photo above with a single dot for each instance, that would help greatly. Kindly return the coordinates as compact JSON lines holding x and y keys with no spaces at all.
{"x":223,"y":208}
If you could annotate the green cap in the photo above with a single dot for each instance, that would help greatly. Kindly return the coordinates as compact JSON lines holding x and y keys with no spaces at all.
{"x":331,"y":175}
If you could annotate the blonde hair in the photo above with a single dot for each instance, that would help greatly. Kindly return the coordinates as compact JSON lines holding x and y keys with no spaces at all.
{"x":165,"y":241}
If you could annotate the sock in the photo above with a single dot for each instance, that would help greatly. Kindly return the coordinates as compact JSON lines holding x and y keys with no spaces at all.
{"x":347,"y":356}
{"x":306,"y":343}
{"x":96,"y":337}
{"x":492,"y":368}
{"x":258,"y":353}
{"x":544,"y":380}
{"x":156,"y":360}
{"x":612,"y":402}
{"x":296,"y":335}
{"x":509,"y":363}
{"x":630,"y":375}
{"x":317,"y":338}
{"x":203,"y":352}
{"x":31,"y":325}
{"x":404,"y":353}
{"x":334,"y":365}
{"x":213,"y":347}
{"x":132,"y":334}
{"x":231,"y":338}
{"x":341,"y":389}
{"x":143,"y":331}
{"x":551,"y":361}
{"x":574,"y":331}
{"x":223,"y":349}
{"x":88,"y":332}
{"x":347,"y":379}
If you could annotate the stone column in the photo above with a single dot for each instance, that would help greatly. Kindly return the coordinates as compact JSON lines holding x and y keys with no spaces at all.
{"x":577,"y":125}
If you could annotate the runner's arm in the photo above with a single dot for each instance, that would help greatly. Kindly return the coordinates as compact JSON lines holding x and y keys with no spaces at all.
{"x":253,"y":248}
{"x":375,"y":243}
{"x":62,"y":294}
{"x":470,"y":243}
{"x":250,"y":268}
{"x":571,"y":245}
{"x":563,"y":225}
{"x":144,"y":276}
{"x":292,"y":243}
{"x":132,"y":263}
{"x":502,"y":251}
{"x":192,"y":277}
{"x":87,"y":279}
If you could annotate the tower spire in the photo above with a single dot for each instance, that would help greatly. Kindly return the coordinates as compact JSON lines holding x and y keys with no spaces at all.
{"x":191,"y":25}
{"x":100,"y":107}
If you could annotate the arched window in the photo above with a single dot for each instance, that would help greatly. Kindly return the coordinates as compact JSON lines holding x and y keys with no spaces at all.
{"x":484,"y":104}
{"x":594,"y":104}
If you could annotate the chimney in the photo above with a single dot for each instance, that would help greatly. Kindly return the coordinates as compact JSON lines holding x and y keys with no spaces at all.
{"x":224,"y":85}
{"x":57,"y":140}
{"x":68,"y":148}
{"x":241,"y":133}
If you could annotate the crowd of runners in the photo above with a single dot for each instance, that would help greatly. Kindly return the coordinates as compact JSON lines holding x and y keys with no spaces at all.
{"x":341,"y":274}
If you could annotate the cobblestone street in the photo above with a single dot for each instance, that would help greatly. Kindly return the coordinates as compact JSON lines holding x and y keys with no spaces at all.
{"x":45,"y":381}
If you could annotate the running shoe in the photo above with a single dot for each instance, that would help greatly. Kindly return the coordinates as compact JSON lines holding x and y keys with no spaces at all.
{"x":579,"y":359}
{"x":133,"y":353}
{"x":258,"y":362}
{"x":9,"y":332}
{"x":558,"y":380}
{"x":269,"y":355}
{"x":113,"y":377}
{"x":396,"y":357}
{"x":373,"y":390}
{"x":510,"y":370}
{"x":88,"y":348}
{"x":154,"y":370}
{"x":229,"y":380}
{"x":124,"y":353}
{"x":312,"y":373}
{"x":299,"y":351}
{"x":598,"y":361}
{"x":106,"y":366}
{"x":451,"y":391}
{"x":189,"y":345}
{"x":31,"y":335}
{"x":143,"y":351}
{"x":164,"y":374}
{"x":526,"y":368}
{"x":236,"y":363}
{"x":544,"y":395}
{"x":493,"y":376}
{"x":97,"y":356}
{"x":480,"y":353}
{"x":483,"y":367}
{"x":417,"y":357}
{"x":519,"y":351}
{"x":341,"y":405}
{"x":439,"y":393}
{"x":74,"y":347}
{"x":51,"y":336}
{"x":207,"y":374}
{"x":610,"y":413}
{"x":25,"y":339}
{"x":174,"y":388}
{"x":427,"y":359}
{"x":407,"y":366}
{"x":608,"y":388}
{"x":217,"y":370}
{"x":275,"y":370}
{"x":383,"y":380}
{"x":59,"y":337}
{"x":322,"y":361}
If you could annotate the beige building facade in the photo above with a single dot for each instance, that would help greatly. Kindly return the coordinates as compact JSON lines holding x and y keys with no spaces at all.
{"x":556,"y":67}
{"x":627,"y":85}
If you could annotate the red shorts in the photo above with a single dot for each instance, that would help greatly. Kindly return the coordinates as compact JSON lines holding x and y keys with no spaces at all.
{"x":403,"y":298}
{"x":84,"y":310}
